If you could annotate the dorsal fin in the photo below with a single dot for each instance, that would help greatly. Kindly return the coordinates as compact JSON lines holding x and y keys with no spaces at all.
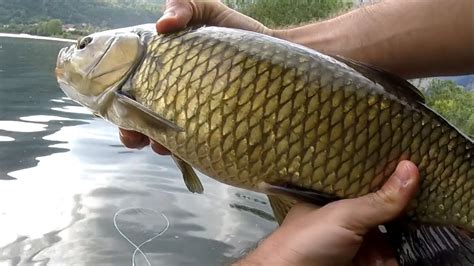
{"x":392,"y":83}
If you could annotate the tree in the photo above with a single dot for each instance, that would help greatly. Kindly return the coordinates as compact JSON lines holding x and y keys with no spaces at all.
{"x":274,"y":13}
{"x":50,"y":27}
{"x":453,"y":102}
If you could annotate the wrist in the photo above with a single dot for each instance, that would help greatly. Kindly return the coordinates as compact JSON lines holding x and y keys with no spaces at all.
{"x":266,"y":253}
{"x":320,"y":37}
{"x":280,"y":34}
{"x":328,"y":37}
{"x":275,"y":251}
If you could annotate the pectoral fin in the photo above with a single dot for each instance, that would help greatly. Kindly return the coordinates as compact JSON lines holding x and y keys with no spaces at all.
{"x":144,"y":113}
{"x":190,"y":177}
{"x":281,"y":205}
{"x":298,"y":193}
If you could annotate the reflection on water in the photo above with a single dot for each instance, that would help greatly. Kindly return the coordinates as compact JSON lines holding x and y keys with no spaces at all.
{"x":64,"y":175}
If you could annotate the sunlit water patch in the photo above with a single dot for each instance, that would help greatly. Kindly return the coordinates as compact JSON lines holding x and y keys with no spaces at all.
{"x":5,"y":139}
{"x":72,"y":109}
{"x":43,"y":118}
{"x":17,"y":126}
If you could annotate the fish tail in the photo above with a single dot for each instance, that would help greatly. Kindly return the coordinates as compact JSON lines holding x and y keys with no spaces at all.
{"x":422,"y":245}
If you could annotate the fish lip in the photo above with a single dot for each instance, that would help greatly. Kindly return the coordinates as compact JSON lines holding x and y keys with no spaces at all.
{"x":59,"y":72}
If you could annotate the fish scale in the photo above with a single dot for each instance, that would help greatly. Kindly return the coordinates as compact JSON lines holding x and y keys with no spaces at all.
{"x":283,"y":114}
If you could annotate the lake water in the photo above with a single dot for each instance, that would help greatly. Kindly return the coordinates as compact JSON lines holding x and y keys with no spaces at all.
{"x":71,"y":194}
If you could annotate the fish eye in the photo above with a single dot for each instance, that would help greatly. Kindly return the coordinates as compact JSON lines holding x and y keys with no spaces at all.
{"x":83,"y":43}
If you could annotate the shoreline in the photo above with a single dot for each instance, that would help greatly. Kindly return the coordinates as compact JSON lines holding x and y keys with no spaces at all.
{"x":36,"y":37}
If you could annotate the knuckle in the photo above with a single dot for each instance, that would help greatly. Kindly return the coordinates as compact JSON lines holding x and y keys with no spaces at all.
{"x":180,"y":4}
{"x":172,"y":3}
{"x":382,"y":200}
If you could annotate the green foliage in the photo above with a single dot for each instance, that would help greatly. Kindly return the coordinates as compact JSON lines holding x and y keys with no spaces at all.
{"x":275,"y":13}
{"x":50,"y":27}
{"x":452,"y":102}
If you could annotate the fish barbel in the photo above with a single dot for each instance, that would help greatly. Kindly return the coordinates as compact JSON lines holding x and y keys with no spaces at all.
{"x":271,"y":116}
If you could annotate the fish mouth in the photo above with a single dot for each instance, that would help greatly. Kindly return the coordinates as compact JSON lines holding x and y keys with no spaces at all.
{"x":63,"y":56}
{"x":59,"y":72}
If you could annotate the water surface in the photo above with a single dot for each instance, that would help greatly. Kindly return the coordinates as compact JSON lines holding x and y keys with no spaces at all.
{"x":64,"y":176}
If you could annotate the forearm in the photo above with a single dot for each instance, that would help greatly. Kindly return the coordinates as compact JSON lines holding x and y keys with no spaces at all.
{"x":411,"y":38}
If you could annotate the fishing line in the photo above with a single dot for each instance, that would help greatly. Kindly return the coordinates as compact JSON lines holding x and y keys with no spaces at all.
{"x":137,"y":248}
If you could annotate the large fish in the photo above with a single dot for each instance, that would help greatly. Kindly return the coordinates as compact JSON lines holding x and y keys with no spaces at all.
{"x":267,"y":115}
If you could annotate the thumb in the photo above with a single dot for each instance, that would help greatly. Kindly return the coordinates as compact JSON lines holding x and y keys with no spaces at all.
{"x":177,"y":15}
{"x":366,"y":212}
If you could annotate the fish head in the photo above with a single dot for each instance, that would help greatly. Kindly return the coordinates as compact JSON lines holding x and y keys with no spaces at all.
{"x":98,"y":65}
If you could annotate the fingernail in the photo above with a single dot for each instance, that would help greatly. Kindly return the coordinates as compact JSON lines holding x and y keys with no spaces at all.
{"x":403,"y":174}
{"x":168,"y":14}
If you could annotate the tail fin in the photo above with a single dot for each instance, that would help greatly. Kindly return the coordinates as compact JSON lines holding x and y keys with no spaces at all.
{"x":425,"y":245}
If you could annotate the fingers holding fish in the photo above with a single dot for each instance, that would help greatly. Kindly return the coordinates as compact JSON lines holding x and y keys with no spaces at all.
{"x":345,"y":227}
{"x":132,"y":139}
{"x":158,"y":148}
{"x":135,"y":140}
{"x":366,"y":212}
{"x":176,"y":16}
{"x":182,"y":13}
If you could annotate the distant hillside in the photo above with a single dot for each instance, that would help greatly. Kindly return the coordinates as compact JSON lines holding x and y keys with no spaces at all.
{"x":466,"y":81}
{"x":100,"y":13}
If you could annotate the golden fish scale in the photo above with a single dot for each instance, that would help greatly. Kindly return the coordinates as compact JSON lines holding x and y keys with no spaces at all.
{"x":255,"y":110}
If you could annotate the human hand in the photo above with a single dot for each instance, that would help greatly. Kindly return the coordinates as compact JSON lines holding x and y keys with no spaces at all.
{"x":135,"y":140}
{"x":182,"y":13}
{"x":340,"y":233}
{"x":178,"y":15}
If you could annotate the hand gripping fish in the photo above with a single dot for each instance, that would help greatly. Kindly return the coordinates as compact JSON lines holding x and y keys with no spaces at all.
{"x":267,"y":115}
